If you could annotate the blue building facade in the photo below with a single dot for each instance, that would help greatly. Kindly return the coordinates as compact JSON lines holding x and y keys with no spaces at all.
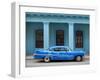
{"x":44,"y":30}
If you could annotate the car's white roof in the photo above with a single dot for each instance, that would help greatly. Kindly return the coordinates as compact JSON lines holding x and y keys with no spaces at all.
{"x":59,"y":47}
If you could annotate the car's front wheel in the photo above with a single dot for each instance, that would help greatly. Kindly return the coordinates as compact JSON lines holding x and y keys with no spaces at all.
{"x":78,"y":58}
{"x":47,"y":59}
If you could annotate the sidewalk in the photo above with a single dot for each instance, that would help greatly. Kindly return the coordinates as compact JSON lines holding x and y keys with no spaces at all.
{"x":29,"y":57}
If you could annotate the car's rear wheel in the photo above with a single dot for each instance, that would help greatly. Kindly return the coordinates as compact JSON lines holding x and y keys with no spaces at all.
{"x":78,"y":58}
{"x":47,"y":59}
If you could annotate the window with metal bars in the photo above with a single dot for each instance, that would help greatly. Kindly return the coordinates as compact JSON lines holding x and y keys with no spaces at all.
{"x":79,"y":39}
{"x":39,"y":38}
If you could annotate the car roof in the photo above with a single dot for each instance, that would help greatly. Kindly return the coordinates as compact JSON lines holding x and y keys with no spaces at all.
{"x":59,"y":47}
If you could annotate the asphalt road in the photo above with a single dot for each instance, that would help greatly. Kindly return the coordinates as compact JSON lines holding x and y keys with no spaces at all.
{"x":37,"y":63}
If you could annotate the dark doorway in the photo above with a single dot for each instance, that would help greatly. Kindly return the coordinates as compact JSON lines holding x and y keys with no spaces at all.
{"x":59,"y":37}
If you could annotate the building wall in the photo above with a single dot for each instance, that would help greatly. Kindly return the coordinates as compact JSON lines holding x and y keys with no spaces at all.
{"x":58,"y":26}
{"x":32,"y":26}
{"x":36,"y":21}
{"x":86,"y":39}
{"x":55,"y":18}
{"x":30,"y":35}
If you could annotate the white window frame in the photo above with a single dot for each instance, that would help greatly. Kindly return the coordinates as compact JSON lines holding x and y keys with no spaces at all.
{"x":18,"y":68}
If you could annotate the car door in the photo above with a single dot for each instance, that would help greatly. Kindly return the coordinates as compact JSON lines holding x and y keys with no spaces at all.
{"x":55,"y":54}
{"x":65,"y":54}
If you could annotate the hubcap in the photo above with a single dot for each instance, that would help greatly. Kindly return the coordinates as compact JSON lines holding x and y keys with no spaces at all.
{"x":78,"y":58}
{"x":46,"y":59}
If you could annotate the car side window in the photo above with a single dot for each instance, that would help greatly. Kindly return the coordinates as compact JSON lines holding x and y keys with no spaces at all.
{"x":63,"y":49}
{"x":60,"y":49}
{"x":66,"y":49}
{"x":57,"y":49}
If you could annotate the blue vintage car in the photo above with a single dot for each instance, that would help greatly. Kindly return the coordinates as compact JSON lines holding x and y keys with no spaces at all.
{"x":58,"y":53}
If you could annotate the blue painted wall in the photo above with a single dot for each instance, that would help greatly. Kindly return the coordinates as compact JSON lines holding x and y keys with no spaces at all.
{"x":58,"y":26}
{"x":30,"y":35}
{"x":86,"y":39}
{"x":35,"y":21}
{"x":32,"y":26}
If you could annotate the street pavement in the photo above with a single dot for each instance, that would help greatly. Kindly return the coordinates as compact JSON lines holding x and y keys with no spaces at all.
{"x":30,"y":62}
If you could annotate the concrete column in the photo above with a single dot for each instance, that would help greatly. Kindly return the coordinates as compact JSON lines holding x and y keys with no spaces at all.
{"x":71,"y":35}
{"x":46,"y":34}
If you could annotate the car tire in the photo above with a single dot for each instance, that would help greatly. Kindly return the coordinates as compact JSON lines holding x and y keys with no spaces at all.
{"x":47,"y":59}
{"x":78,"y":58}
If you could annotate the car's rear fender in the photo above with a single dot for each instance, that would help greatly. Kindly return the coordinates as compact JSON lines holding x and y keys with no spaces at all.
{"x":75,"y":53}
